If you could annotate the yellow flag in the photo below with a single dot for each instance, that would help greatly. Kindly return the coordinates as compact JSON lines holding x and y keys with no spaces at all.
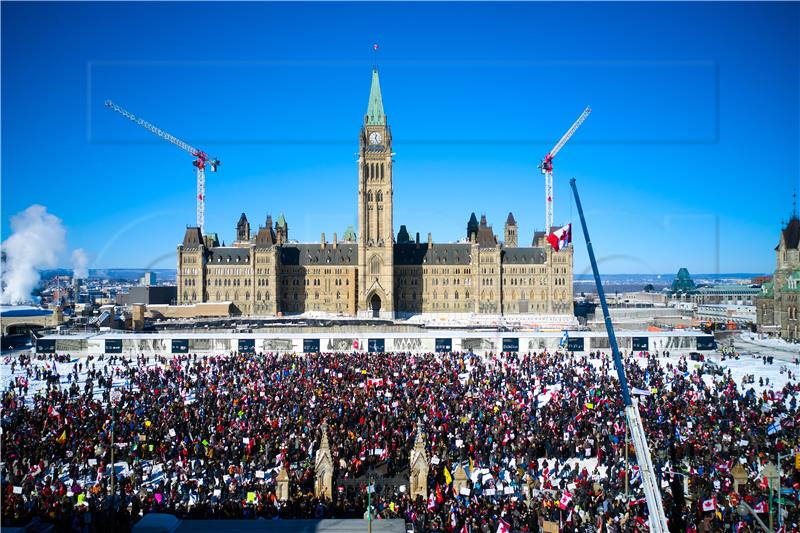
{"x":447,"y":477}
{"x":63,"y":438}
{"x":251,"y":497}
{"x":471,"y":464}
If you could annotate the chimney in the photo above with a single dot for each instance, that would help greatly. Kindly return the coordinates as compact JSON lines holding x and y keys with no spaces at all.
{"x":430,"y":240}
{"x":417,"y":241}
{"x":322,"y":240}
{"x":334,"y":240}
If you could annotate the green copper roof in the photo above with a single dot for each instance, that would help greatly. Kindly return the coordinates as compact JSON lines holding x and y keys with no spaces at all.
{"x":375,"y":114}
{"x":349,"y":234}
{"x":683,"y":282}
{"x":767,"y":290}
{"x":281,"y":222}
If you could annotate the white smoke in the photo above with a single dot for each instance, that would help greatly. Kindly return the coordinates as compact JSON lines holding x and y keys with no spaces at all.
{"x":37,"y":240}
{"x":80,"y":262}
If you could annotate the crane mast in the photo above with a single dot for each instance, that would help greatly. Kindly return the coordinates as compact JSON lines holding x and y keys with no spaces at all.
{"x":652,"y":493}
{"x":201,"y":158}
{"x":547,"y":168}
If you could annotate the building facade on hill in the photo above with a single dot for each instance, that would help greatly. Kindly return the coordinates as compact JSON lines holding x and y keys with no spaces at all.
{"x":777,"y":304}
{"x":372,"y":272}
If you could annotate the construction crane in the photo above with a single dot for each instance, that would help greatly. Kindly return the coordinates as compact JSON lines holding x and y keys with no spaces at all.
{"x":652,"y":493}
{"x":201,"y":158}
{"x":547,"y":168}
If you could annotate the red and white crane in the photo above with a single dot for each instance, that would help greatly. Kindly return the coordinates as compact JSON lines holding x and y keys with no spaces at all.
{"x":547,"y":168}
{"x":201,"y":158}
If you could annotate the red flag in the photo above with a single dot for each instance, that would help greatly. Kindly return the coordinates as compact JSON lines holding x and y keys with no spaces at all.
{"x":560,"y":238}
{"x":710,"y":504}
{"x":375,"y":46}
{"x":503,"y":526}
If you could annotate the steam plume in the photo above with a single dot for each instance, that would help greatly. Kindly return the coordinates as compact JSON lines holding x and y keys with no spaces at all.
{"x":37,"y":240}
{"x":80,"y":262}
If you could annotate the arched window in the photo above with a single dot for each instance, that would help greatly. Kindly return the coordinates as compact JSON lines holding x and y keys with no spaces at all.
{"x":375,"y":266}
{"x":381,"y":167}
{"x":456,"y":295}
{"x":194,"y":296}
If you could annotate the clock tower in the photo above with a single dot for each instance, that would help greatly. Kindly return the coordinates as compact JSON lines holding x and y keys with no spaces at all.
{"x":375,"y":229}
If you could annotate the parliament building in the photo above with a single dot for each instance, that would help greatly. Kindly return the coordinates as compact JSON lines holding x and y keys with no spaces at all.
{"x":372,"y":272}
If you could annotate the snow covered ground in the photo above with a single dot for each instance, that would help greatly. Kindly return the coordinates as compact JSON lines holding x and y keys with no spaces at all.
{"x":753,"y":342}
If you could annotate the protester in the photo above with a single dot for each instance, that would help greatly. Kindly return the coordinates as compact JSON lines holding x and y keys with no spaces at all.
{"x":539,"y":436}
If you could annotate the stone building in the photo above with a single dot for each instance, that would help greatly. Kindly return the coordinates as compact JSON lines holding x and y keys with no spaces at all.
{"x":776,"y":306}
{"x":371,"y":272}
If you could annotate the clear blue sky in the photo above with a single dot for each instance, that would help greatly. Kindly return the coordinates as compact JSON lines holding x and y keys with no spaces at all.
{"x":695,"y":120}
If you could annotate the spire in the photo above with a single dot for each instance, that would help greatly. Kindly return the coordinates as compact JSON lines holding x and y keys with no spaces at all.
{"x":510,"y":220}
{"x":794,"y":204}
{"x":375,"y":114}
{"x":281,"y":222}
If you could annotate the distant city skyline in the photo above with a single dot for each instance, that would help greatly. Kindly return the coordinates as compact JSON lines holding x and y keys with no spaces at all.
{"x":694,"y":132}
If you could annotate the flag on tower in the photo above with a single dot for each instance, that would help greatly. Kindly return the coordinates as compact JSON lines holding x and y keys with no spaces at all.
{"x":375,"y":46}
{"x":560,"y":238}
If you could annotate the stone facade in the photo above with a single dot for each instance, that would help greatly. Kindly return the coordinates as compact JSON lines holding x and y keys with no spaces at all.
{"x":371,"y":273}
{"x":777,"y":305}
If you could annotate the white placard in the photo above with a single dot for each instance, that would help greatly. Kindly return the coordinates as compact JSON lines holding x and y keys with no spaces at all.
{"x":434,"y":460}
{"x":489,"y":492}
{"x":464,"y":491}
{"x":171,"y":432}
{"x":459,"y":443}
{"x":17,"y":490}
{"x":486,"y":478}
{"x":245,"y":440}
{"x":217,"y":492}
{"x":260,"y":474}
{"x":508,"y":490}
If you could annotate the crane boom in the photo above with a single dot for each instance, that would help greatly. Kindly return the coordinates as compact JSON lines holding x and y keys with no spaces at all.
{"x":201,"y":158}
{"x":158,"y":132}
{"x":547,"y":168}
{"x":570,"y":132}
{"x":652,"y":493}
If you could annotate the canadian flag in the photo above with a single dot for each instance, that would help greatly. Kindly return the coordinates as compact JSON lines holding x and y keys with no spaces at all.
{"x":560,"y":238}
{"x":503,"y":526}
{"x":565,"y":499}
{"x":761,"y":507}
{"x":431,"y":503}
{"x":710,"y":505}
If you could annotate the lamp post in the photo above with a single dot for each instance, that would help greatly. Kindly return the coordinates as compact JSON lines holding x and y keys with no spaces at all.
{"x":773,"y":477}
{"x":370,"y":484}
{"x":113,"y":397}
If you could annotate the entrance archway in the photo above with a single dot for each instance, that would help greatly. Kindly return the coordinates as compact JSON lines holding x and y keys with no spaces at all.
{"x":375,"y":305}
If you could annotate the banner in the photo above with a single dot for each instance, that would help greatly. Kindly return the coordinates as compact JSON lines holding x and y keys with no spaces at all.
{"x":444,"y":345}
{"x":376,"y":345}
{"x":310,"y":345}
{"x":510,"y":345}
{"x":180,"y":345}
{"x":113,"y":346}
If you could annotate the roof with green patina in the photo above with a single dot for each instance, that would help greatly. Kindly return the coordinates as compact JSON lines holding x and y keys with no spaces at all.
{"x":375,"y":115}
{"x":281,"y":222}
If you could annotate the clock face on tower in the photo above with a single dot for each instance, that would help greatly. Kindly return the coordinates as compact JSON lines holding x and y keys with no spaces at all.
{"x":375,"y":137}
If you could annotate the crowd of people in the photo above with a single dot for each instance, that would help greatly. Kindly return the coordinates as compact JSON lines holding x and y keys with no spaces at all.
{"x":94,"y":443}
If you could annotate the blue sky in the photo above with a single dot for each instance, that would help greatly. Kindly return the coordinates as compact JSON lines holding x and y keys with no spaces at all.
{"x":695,"y":122}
